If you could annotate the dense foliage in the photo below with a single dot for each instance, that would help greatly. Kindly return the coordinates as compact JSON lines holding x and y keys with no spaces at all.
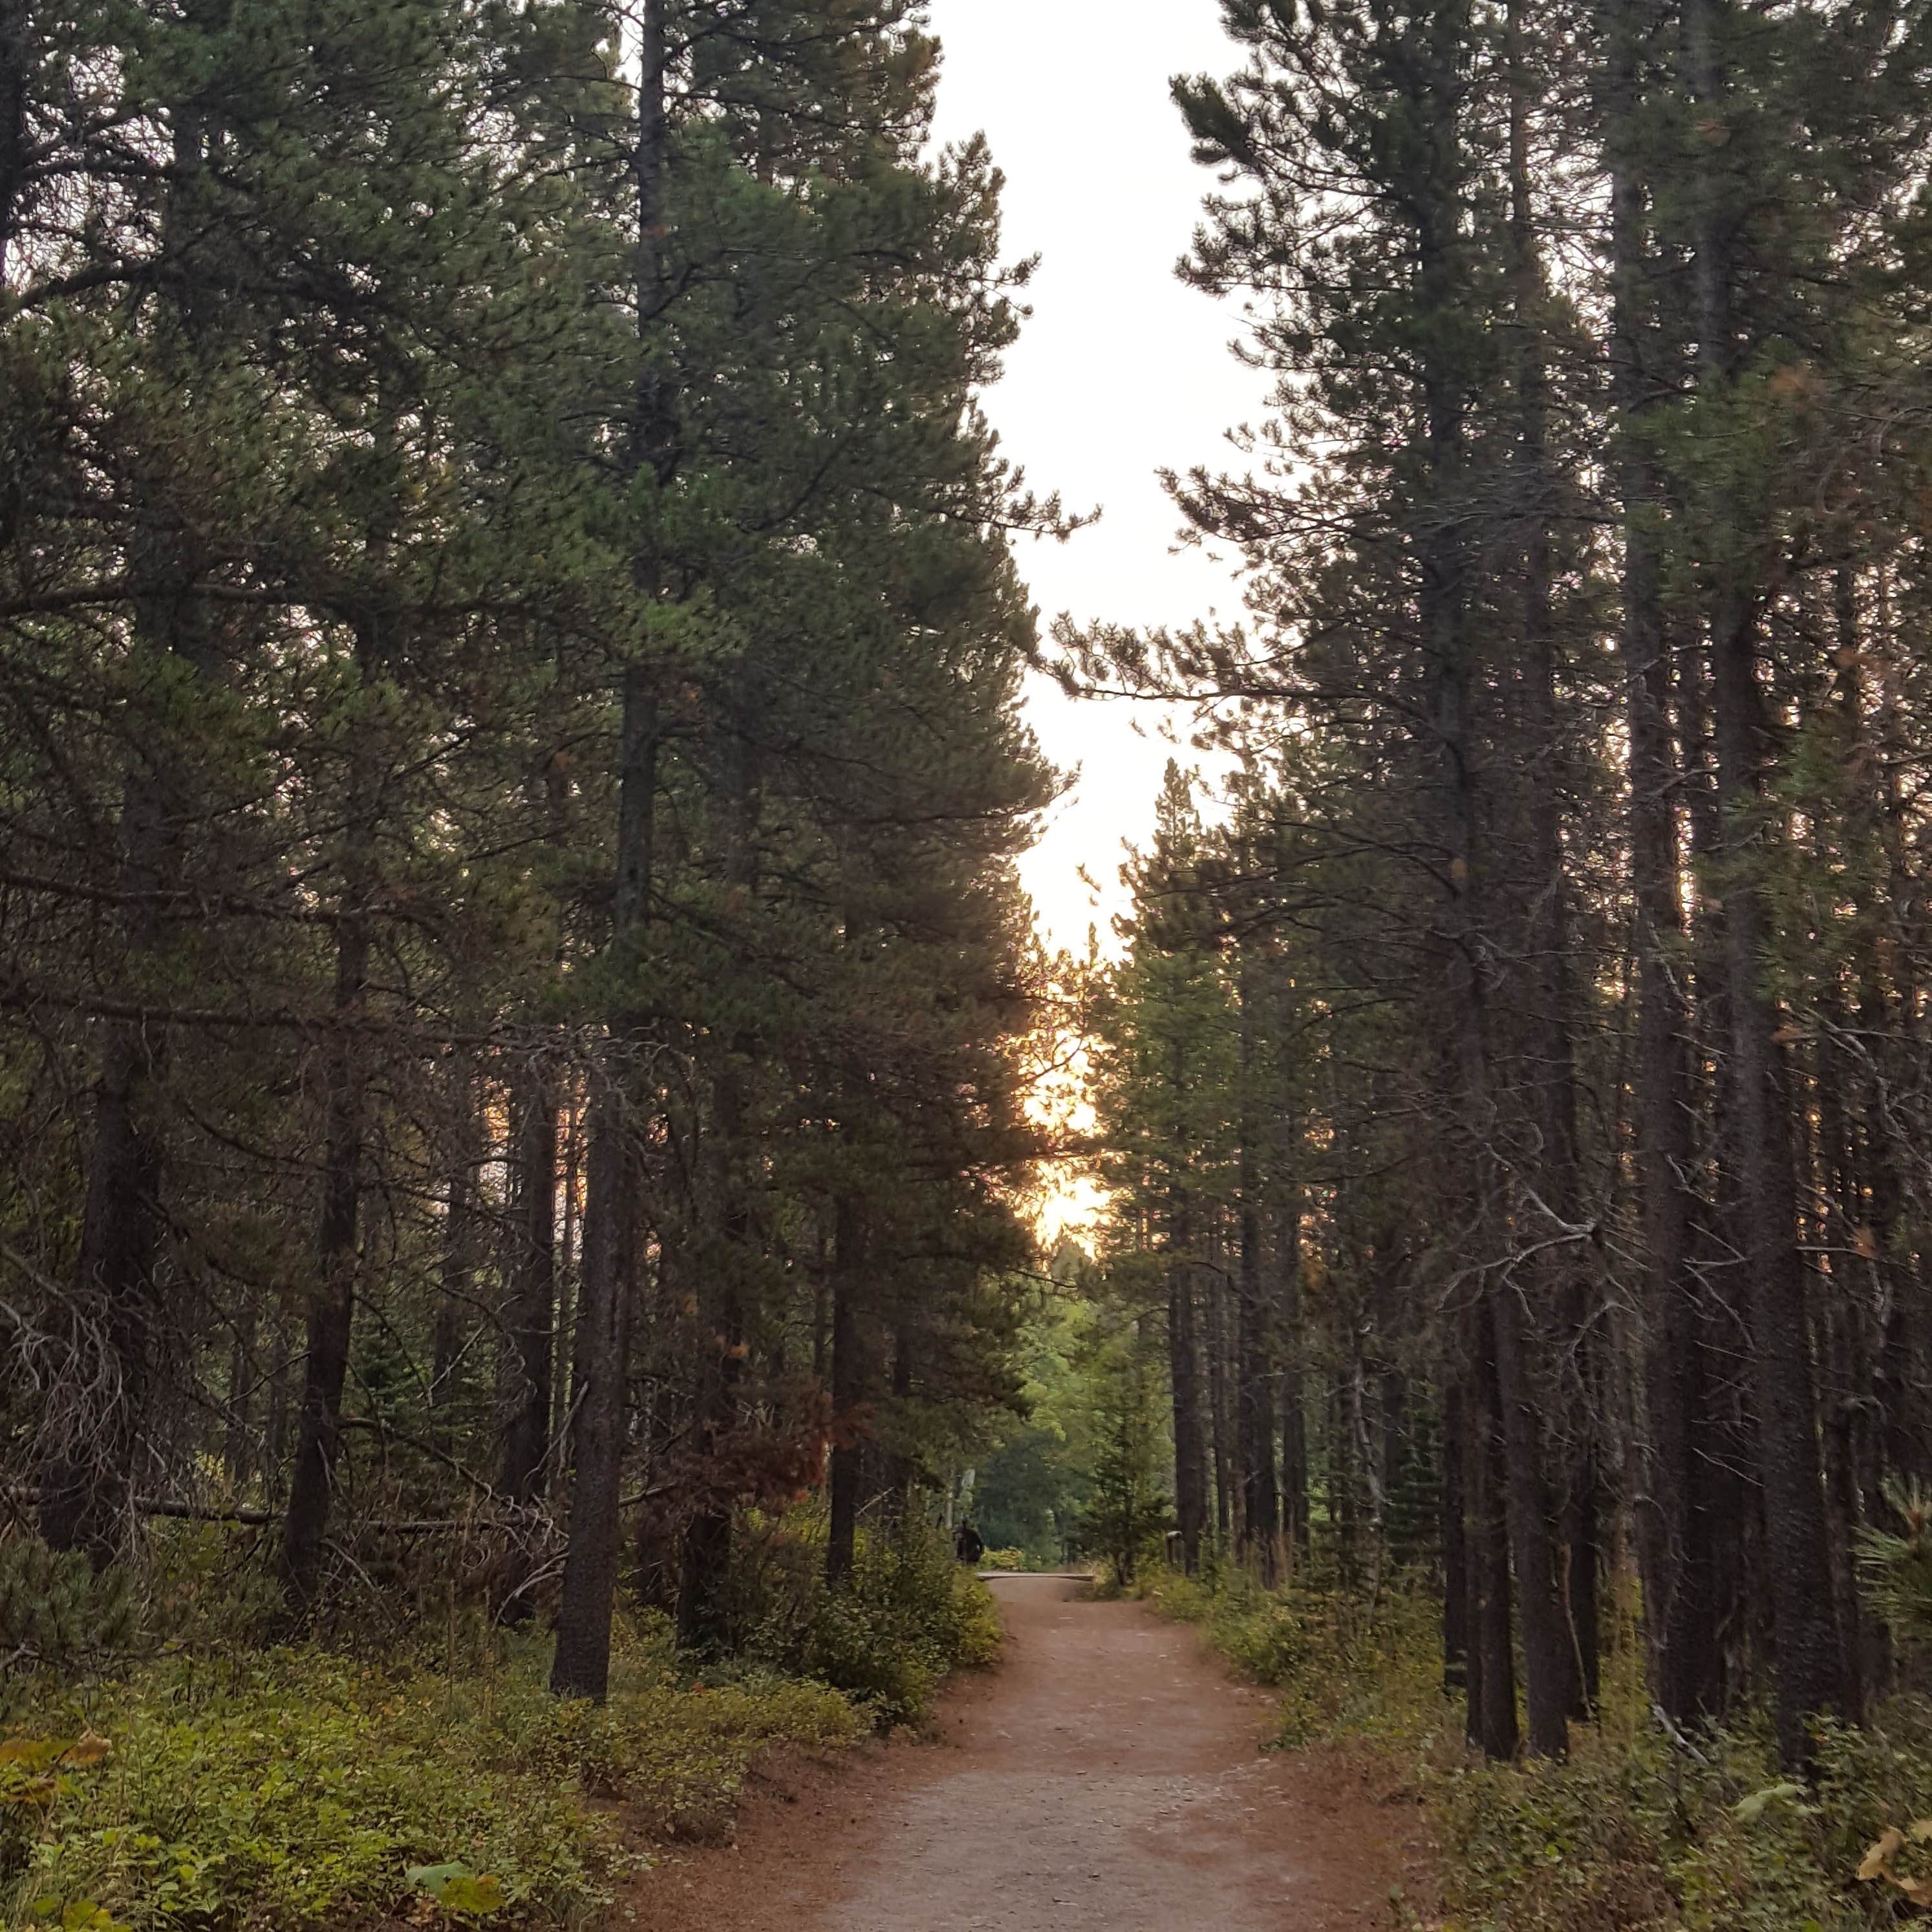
{"x":296,"y":1787}
{"x":1514,"y":1091}
{"x":516,"y":1011}
{"x":1642,"y":1829}
{"x":515,"y":1006}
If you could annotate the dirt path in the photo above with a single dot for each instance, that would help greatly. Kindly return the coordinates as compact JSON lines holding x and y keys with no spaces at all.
{"x":1108,"y":1776}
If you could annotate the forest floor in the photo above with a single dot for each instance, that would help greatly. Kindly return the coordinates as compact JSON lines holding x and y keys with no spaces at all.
{"x":1107,"y":1774}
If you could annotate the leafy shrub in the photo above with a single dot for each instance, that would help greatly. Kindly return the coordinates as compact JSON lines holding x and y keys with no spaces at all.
{"x":910,"y":1614}
{"x":676,"y":1750}
{"x":297,"y":1789}
{"x":1896,"y":1570}
{"x":57,"y":1614}
{"x":304,"y":1788}
{"x":1346,"y":1669}
{"x":1005,"y":1559}
{"x":1638,"y":1831}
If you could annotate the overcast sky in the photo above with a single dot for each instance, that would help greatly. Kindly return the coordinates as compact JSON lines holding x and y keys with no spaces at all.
{"x":1121,"y":371}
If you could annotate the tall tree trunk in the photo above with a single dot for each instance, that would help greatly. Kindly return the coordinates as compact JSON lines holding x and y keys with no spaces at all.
{"x":1256,"y":1372}
{"x":851,"y":1383}
{"x":1546,"y":1649}
{"x":462,"y":1243}
{"x":706,"y":1553}
{"x":607,"y":1284}
{"x":1293,"y":1419}
{"x":1548,"y":1656}
{"x":1491,"y":1668}
{"x":1215,"y":1338}
{"x":569,"y":1273}
{"x":93,"y":1433}
{"x":87,"y":1471}
{"x":1810,"y":1664}
{"x":1893,"y":994}
{"x":1677,"y":1588}
{"x":331,"y":1302}
{"x":1568,"y":1290}
{"x":530,"y":1311}
{"x":331,"y":1314}
{"x":1725,"y":1437}
{"x":1442,"y":546}
{"x":1183,"y":1360}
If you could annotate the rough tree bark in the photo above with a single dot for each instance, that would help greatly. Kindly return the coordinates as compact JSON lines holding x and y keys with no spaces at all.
{"x":1490,"y":1667}
{"x":1565,"y":1283}
{"x":530,"y":1312}
{"x":607,"y":1287}
{"x":851,"y":1383}
{"x":87,"y":1470}
{"x":1810,"y":1663}
{"x":88,"y":1475}
{"x":331,"y":1315}
{"x":1676,"y":1546}
{"x":1184,"y":1359}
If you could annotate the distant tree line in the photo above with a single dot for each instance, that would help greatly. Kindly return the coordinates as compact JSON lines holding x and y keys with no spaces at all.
{"x":514,"y":996}
{"x":1526,"y":1083}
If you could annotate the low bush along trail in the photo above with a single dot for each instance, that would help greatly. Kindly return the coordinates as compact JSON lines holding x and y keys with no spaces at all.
{"x":217,"y":1786}
{"x":1644,"y":1829}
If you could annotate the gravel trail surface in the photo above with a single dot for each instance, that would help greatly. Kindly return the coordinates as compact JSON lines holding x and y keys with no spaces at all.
{"x":1108,"y":1777}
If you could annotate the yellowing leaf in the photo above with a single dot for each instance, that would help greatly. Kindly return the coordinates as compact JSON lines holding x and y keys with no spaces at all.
{"x":89,"y":1748}
{"x":29,"y":1794}
{"x":1879,"y":1856}
{"x":473,"y":1897}
{"x":77,"y":1915}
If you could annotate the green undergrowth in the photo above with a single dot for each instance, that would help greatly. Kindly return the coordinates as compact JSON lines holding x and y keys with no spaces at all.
{"x":1637,"y":1832}
{"x":1343,"y":1668}
{"x":912,"y":1614}
{"x":296,"y":1788}
{"x":221,"y":1787}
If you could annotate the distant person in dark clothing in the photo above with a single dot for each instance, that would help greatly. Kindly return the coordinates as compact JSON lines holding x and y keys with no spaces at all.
{"x":969,"y":1545}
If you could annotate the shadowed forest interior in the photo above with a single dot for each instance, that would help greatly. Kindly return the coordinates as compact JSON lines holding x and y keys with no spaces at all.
{"x":540,"y":1149}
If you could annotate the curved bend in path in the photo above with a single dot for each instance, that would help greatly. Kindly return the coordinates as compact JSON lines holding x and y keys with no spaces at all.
{"x":1108,"y":1775}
